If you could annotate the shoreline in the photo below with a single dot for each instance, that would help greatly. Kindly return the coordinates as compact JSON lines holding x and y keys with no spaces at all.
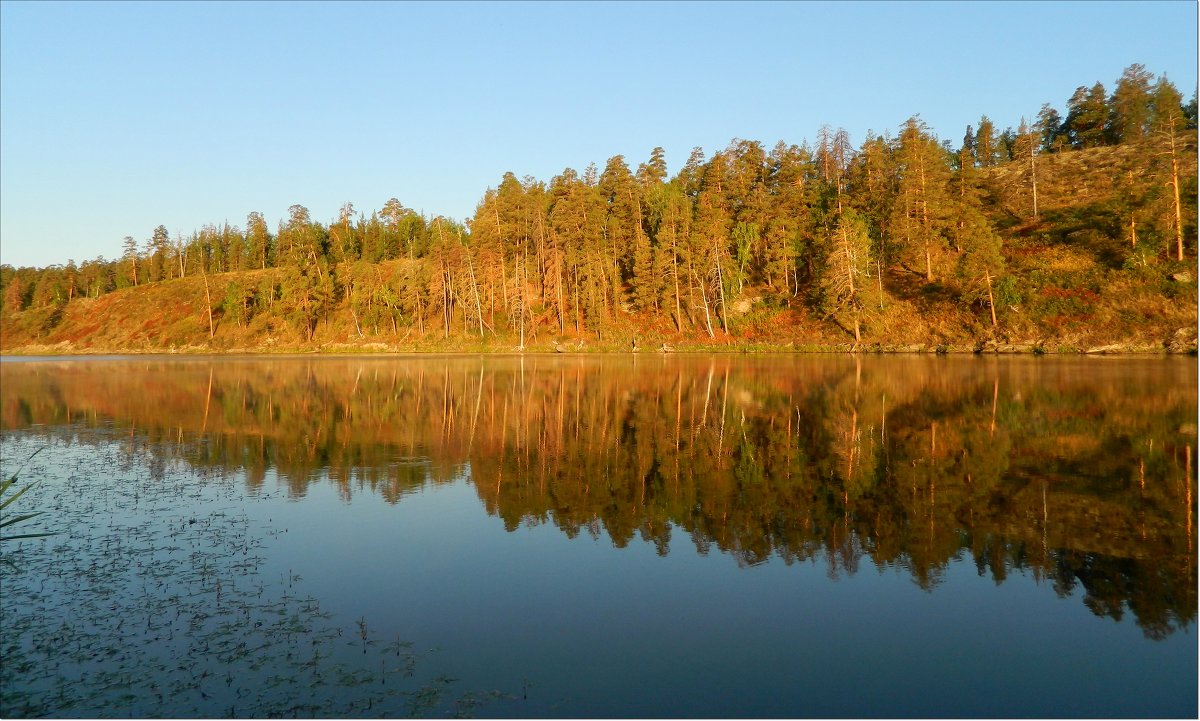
{"x":66,"y":349}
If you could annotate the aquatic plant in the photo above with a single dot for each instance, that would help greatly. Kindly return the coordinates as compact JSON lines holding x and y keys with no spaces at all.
{"x":155,"y":600}
{"x":5,"y":486}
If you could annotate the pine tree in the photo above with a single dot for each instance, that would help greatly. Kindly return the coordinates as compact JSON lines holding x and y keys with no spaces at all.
{"x":1050,"y":129}
{"x":1165,"y":107}
{"x":708,"y":251}
{"x":130,"y":257}
{"x":1129,"y":117}
{"x":1087,"y":116}
{"x":987,"y":145}
{"x":920,"y":208}
{"x":847,"y":266}
{"x":623,"y":228}
{"x":654,"y":171}
{"x":787,"y":215}
{"x":258,"y":240}
{"x":672,"y":219}
{"x":873,"y":180}
{"x":157,"y":249}
{"x":1025,"y":146}
{"x":981,"y":264}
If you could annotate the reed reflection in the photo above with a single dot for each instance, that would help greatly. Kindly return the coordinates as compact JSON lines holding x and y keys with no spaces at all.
{"x":1075,"y":472}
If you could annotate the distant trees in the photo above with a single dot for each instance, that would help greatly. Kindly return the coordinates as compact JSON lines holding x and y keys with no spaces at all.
{"x":828,"y":226}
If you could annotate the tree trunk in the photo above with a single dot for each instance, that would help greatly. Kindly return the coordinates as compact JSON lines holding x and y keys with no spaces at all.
{"x":925,"y":225}
{"x":562,"y":307}
{"x":721,"y":289}
{"x":675,"y":275}
{"x":1175,"y":187}
{"x":475,"y":288}
{"x":991,"y":302}
{"x":707,"y":317}
{"x":879,"y":280}
{"x":1033,"y":144}
{"x":208,"y":299}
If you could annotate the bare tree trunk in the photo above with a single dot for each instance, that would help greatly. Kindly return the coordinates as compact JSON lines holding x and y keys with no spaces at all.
{"x":353,"y":312}
{"x":721,"y":289}
{"x":208,"y":299}
{"x":447,"y":298}
{"x":707,"y":318}
{"x":926,"y":226}
{"x":675,"y":275}
{"x":503,"y":242}
{"x":879,"y":280}
{"x":578,"y":319}
{"x":1175,"y":188}
{"x":562,"y":307}
{"x":1033,"y":175}
{"x":475,"y":288}
{"x":991,"y":301}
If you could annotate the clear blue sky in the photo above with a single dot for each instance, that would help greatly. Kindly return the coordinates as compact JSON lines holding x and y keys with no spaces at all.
{"x":115,"y":118}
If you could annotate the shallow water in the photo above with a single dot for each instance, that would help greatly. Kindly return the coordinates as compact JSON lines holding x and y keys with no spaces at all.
{"x":603,"y":536}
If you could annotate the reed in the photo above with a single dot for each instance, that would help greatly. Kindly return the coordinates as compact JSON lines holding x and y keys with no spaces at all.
{"x":5,"y":490}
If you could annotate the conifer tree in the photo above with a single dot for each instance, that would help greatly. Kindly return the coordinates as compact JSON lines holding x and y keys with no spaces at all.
{"x":787,"y":216}
{"x":710,"y":257}
{"x":987,"y":145}
{"x":847,"y":266}
{"x":872,"y":194}
{"x":1087,"y":116}
{"x":981,"y":264}
{"x":258,"y":239}
{"x":129,"y":255}
{"x":1165,"y":107}
{"x":654,"y":171}
{"x":1050,"y":129}
{"x":920,"y":207}
{"x":672,"y":222}
{"x":157,"y":249}
{"x":1129,"y":117}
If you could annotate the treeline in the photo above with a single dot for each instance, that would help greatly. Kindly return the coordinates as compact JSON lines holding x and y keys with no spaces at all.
{"x":842,"y":232}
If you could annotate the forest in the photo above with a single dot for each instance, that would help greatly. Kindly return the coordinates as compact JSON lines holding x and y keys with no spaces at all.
{"x":1074,"y":232}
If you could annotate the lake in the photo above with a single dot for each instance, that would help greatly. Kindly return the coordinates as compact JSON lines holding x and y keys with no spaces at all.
{"x":601,"y":536}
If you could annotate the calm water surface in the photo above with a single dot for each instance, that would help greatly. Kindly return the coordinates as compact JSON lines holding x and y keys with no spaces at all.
{"x":639,"y":536}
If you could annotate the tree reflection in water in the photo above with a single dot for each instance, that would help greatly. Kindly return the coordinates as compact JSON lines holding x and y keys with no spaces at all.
{"x":1078,"y":472}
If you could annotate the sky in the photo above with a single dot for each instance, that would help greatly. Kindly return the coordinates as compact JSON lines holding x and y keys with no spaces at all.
{"x":118,"y":117}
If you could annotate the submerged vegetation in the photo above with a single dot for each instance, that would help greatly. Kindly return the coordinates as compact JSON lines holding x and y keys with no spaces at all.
{"x":1073,"y":232}
{"x":156,"y":601}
